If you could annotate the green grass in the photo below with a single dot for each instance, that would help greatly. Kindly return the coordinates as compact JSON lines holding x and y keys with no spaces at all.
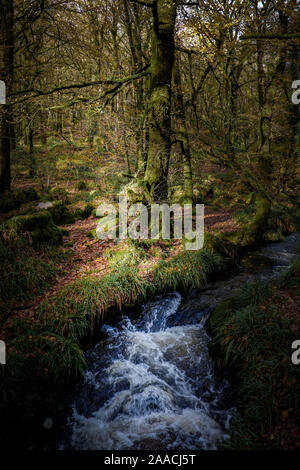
{"x":44,"y":353}
{"x":129,"y":255}
{"x":76,"y":307}
{"x":252,"y":339}
{"x":25,"y":271}
{"x":188,"y":270}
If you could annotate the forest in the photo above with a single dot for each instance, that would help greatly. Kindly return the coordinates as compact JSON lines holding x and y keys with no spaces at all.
{"x":138,"y":342}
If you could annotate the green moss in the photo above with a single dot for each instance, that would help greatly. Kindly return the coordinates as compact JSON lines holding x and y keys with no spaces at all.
{"x":23,"y":270}
{"x":59,"y":194}
{"x":39,"y":226}
{"x":87,"y":211}
{"x":11,"y":200}
{"x":27,"y":195}
{"x":134,"y":191}
{"x":92,"y":233}
{"x":251,"y":337}
{"x":273,"y":235}
{"x":130,"y":255}
{"x":8,"y":201}
{"x":61,"y":214}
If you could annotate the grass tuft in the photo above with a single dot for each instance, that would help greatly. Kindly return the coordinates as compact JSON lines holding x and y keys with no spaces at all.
{"x":252,"y":337}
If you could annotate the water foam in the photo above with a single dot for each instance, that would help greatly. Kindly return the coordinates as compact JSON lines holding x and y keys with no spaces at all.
{"x":151,"y":385}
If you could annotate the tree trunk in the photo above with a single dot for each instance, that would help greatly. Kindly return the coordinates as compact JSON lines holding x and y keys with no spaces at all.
{"x":132,"y":25}
{"x":7,"y":21}
{"x":182,"y":134}
{"x":159,"y":117}
{"x":294,"y":152}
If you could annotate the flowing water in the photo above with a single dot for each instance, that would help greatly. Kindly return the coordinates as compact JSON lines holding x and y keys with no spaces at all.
{"x":150,"y":384}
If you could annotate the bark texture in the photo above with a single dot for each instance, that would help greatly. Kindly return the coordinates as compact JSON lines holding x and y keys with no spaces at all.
{"x":159,"y":116}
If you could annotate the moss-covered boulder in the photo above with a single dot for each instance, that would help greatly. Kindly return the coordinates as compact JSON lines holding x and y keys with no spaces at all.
{"x":8,"y":201}
{"x":11,"y":200}
{"x":27,"y":195}
{"x":134,"y":191}
{"x":81,"y":211}
{"x":61,"y":215}
{"x":59,"y":194}
{"x":39,"y":227}
{"x":87,"y":211}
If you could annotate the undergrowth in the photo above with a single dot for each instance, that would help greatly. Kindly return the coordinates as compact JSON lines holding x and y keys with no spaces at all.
{"x":46,"y":350}
{"x":25,"y":271}
{"x":252,"y":337}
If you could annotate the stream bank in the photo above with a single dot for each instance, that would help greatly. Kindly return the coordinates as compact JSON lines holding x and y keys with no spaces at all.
{"x":151,"y":383}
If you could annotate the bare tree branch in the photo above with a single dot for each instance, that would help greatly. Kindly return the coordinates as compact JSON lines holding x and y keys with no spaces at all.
{"x":34,"y":92}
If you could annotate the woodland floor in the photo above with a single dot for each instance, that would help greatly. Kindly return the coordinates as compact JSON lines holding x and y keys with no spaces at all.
{"x":88,"y":257}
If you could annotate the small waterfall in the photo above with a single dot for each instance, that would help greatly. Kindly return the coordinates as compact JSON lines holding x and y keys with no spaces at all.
{"x":152,"y":384}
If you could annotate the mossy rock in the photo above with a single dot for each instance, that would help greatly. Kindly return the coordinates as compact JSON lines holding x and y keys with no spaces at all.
{"x":84,"y":212}
{"x":61,"y":215}
{"x":243,"y":238}
{"x":59,"y":194}
{"x":9,"y":201}
{"x":39,"y":226}
{"x":134,"y":191}
{"x":27,"y":195}
{"x":87,"y":211}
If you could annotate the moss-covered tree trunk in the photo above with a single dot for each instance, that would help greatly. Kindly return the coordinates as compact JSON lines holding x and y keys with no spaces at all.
{"x":7,"y":40}
{"x":182,"y":136}
{"x":159,"y":116}
{"x":294,"y":114}
{"x":259,"y":223}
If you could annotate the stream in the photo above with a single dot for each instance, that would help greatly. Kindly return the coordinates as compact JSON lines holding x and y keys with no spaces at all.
{"x":150,"y":384}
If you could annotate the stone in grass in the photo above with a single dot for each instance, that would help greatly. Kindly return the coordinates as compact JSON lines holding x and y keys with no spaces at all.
{"x":61,"y":215}
{"x":39,"y":226}
{"x":45,"y":205}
